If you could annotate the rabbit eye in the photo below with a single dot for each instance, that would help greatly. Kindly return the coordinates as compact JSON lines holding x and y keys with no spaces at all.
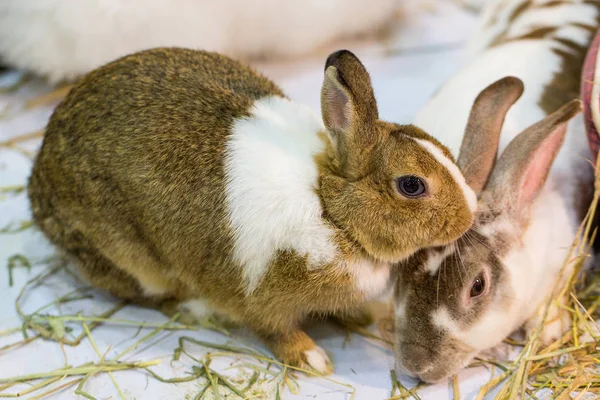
{"x":411,"y":186}
{"x":478,"y":287}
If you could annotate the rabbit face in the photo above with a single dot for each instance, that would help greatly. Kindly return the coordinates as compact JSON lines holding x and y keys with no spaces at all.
{"x":453,"y":301}
{"x":392,"y":189}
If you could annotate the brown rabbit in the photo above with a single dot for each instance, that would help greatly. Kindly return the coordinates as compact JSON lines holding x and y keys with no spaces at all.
{"x":182,"y":179}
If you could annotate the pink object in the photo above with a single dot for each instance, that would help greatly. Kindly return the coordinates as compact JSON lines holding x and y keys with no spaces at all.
{"x":590,"y":95}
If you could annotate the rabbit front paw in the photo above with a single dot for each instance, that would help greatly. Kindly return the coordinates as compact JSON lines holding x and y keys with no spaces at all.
{"x":318,"y":360}
{"x":297,"y":349}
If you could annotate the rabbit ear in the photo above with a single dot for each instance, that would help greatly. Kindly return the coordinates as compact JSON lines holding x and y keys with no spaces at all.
{"x":524,"y":165}
{"x":479,"y":147}
{"x":348,"y":106}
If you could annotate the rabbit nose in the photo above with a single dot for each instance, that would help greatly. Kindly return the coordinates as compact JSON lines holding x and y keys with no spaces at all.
{"x":415,"y":359}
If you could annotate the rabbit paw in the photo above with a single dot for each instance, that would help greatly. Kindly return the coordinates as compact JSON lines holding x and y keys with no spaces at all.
{"x":558,"y":321}
{"x":299,"y":350}
{"x":318,"y":360}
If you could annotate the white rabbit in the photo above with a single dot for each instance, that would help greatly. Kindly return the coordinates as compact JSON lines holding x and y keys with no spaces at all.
{"x":458,"y":300}
{"x":63,"y":39}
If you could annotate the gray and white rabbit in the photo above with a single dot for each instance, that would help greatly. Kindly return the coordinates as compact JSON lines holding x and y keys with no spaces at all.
{"x":457,"y":300}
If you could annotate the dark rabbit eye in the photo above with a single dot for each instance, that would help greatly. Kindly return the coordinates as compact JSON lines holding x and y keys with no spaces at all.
{"x":410,"y":186}
{"x":478,"y":287}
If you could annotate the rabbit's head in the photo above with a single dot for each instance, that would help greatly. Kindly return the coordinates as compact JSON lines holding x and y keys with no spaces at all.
{"x":392,"y":189}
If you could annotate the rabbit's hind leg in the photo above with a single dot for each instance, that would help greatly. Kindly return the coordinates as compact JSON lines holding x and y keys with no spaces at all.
{"x":101,"y":273}
{"x":356,"y":317}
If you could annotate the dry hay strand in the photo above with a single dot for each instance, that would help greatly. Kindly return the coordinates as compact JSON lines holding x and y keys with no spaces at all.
{"x":49,"y":98}
{"x":12,"y":142}
{"x":260,"y":376}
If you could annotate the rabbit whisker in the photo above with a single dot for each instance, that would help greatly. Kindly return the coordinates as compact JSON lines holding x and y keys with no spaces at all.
{"x":473,"y":238}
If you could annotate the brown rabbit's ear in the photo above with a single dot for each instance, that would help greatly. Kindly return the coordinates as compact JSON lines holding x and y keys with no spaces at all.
{"x":479,"y":147}
{"x":348,"y":105}
{"x":524,"y":165}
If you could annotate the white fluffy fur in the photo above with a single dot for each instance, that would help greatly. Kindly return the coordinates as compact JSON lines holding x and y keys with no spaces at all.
{"x":318,"y":359}
{"x":271,"y":181}
{"x":399,"y":303}
{"x":532,"y":264}
{"x":371,"y":278}
{"x":458,"y":177}
{"x":435,"y":260}
{"x":64,"y":38}
{"x":198,"y":308}
{"x":152,"y":288}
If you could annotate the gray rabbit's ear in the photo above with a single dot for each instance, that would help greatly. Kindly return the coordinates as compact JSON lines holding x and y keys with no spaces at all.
{"x":479,"y":147}
{"x":523,"y":167}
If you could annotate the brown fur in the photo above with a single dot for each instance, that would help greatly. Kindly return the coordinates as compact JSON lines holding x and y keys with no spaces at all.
{"x":130,"y":182}
{"x":358,"y":205}
{"x":367,"y":154}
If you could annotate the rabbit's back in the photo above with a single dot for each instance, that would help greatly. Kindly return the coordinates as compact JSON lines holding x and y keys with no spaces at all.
{"x":136,"y":151}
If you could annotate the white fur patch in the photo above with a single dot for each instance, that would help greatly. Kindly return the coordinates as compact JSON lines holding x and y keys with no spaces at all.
{"x":435,"y":259}
{"x":370,"y":278}
{"x":533,"y":265}
{"x":469,"y":195}
{"x":318,"y":360}
{"x":488,"y":331}
{"x":400,"y":308}
{"x":270,"y":188}
{"x":502,"y":225}
{"x":531,"y":268}
{"x":442,"y":319}
{"x":198,"y":308}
